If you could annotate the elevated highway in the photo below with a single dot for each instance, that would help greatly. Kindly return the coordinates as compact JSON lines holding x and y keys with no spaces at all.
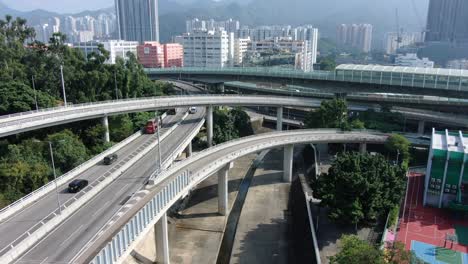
{"x":75,"y":228}
{"x":23,"y":122}
{"x":120,"y":235}
{"x":408,"y":100}
{"x":428,"y":85}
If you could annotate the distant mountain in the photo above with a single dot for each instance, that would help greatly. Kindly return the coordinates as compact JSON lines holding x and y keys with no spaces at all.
{"x":41,"y":16}
{"x":325,"y":15}
{"x":4,"y":10}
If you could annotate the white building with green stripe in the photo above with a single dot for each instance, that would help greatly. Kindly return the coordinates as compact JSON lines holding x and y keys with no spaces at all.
{"x":447,"y":169}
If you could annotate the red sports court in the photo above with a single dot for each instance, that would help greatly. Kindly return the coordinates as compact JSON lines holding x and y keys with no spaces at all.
{"x":429,"y":225}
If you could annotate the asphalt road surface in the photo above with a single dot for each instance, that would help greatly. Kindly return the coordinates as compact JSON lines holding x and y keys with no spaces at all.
{"x":61,"y":245}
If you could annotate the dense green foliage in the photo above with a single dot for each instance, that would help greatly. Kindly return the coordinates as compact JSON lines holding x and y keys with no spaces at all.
{"x":25,"y":162}
{"x":86,"y":79}
{"x":334,"y":114}
{"x":26,"y":166}
{"x":384,"y":120}
{"x":399,"y":146}
{"x":327,"y":63}
{"x":356,"y":251}
{"x":353,"y":250}
{"x":331,"y":114}
{"x":360,"y":188}
{"x":230,"y":124}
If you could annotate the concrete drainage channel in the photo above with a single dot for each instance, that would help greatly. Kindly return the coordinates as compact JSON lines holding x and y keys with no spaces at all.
{"x":225,"y":250}
{"x":22,"y":243}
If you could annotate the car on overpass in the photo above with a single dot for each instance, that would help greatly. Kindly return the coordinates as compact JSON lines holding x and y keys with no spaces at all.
{"x":77,"y":185}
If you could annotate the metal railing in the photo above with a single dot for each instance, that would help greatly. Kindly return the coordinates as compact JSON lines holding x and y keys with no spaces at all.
{"x":123,"y":232}
{"x":296,"y":90}
{"x":95,"y":110}
{"x":429,"y":81}
{"x":33,"y":234}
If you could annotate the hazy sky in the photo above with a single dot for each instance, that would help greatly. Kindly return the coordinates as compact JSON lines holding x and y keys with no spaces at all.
{"x":60,"y":6}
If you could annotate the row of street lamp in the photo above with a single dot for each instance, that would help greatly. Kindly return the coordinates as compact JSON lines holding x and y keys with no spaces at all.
{"x":63,"y":88}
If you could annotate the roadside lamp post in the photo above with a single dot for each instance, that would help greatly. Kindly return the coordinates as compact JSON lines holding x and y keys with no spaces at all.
{"x":63,"y":86}
{"x":55,"y":176}
{"x":35,"y":93}
{"x":159,"y":142}
{"x":51,"y":150}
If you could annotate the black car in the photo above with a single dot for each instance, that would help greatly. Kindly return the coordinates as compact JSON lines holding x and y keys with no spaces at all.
{"x":77,"y":185}
{"x":108,"y":160}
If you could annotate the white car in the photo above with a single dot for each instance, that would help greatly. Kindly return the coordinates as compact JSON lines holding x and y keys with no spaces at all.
{"x":192,"y":110}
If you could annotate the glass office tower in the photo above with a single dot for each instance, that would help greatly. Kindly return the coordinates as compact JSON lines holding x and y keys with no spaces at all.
{"x":138,"y":20}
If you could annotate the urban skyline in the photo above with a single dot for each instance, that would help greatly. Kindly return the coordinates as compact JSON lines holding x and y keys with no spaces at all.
{"x":137,"y":20}
{"x":237,"y":141}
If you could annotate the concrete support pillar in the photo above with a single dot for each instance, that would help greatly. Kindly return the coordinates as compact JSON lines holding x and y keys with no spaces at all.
{"x":162,"y":240}
{"x":279,"y":118}
{"x":105,"y":124}
{"x":221,"y":87}
{"x":223,"y":193}
{"x":209,"y":125}
{"x":288,"y":163}
{"x":188,"y":150}
{"x":421,"y":125}
{"x":363,"y":148}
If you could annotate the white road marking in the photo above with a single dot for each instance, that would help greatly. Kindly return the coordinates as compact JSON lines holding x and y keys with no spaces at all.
{"x":72,"y":234}
{"x":98,"y":210}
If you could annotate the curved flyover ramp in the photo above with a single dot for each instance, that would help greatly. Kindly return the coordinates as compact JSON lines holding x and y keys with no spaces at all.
{"x":121,"y":234}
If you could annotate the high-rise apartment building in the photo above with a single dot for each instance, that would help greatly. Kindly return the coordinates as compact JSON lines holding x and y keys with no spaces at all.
{"x":358,"y":36}
{"x":116,"y":48}
{"x":304,"y":56}
{"x":137,"y":20}
{"x":156,"y":55}
{"x":230,"y":25}
{"x":447,"y":20}
{"x":241,"y":45}
{"x":207,"y":48}
{"x":406,"y":39}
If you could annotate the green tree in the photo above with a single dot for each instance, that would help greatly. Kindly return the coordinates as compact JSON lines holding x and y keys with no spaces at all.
{"x":331,"y":114}
{"x":384,"y":120}
{"x":242,"y":122}
{"x":140,"y":119}
{"x":69,"y":150}
{"x":327,"y":63}
{"x":356,"y":251}
{"x":18,"y":97}
{"x":398,"y":254}
{"x":120,"y":127}
{"x":360,"y":188}
{"x":400,"y":146}
{"x":23,"y":169}
{"x":224,"y":128}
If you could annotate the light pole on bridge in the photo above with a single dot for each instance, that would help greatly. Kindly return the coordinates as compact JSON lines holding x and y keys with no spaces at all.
{"x":54,"y":171}
{"x":63,"y":87}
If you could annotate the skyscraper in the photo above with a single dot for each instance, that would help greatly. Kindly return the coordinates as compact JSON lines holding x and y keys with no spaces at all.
{"x":447,"y":20}
{"x":137,"y":20}
{"x":356,"y":35}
